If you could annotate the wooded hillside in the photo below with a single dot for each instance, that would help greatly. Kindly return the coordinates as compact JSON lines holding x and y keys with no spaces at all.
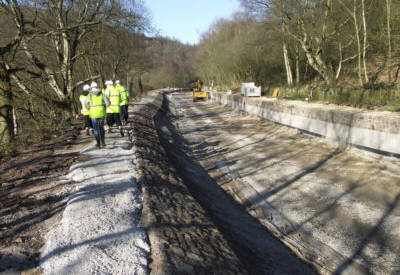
{"x":50,"y":49}
{"x":348,"y":42}
{"x":347,"y":49}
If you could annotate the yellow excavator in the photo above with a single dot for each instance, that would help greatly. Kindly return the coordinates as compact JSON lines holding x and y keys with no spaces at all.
{"x":198,"y":93}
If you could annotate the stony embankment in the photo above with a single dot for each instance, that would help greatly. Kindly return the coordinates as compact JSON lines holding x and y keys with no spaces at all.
{"x":182,"y":237}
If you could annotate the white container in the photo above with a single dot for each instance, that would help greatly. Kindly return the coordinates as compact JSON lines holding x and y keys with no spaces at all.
{"x":250,"y":89}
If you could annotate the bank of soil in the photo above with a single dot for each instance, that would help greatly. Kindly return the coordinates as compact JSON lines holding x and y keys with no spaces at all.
{"x":31,"y":195}
{"x":183,"y":239}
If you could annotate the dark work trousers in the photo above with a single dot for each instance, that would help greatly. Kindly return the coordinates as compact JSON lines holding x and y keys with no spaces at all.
{"x":98,"y":126}
{"x":113,"y":118}
{"x":88,"y":122}
{"x":124,"y":112}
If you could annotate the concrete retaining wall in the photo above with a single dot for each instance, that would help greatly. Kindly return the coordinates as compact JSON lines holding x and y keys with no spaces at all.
{"x":378,"y":131}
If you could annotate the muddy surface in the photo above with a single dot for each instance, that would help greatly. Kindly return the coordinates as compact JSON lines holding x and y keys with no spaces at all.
{"x":183,"y":238}
{"x":336,"y":208}
{"x":31,"y":195}
{"x":257,"y":249}
{"x":223,"y":193}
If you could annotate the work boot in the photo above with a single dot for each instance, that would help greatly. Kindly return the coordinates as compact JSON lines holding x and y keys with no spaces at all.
{"x":87,"y":132}
{"x":121,"y":131}
{"x":97,"y":141}
{"x":103,"y":143}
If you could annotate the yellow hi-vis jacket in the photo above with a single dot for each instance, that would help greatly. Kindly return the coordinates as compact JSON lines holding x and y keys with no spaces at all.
{"x":84,"y":110}
{"x":125,"y":96}
{"x":114,"y":95}
{"x":97,"y":108}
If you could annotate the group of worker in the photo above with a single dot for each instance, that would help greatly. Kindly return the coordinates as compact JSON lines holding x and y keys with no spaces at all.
{"x":110,"y":103}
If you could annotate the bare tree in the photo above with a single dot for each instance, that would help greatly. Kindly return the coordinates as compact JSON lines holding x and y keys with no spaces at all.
{"x":6,"y":100}
{"x":289,"y":75}
{"x":260,"y":8}
{"x":310,"y":28}
{"x":365,"y":41}
{"x":353,"y":13}
{"x":6,"y":106}
{"x":341,"y":59}
{"x":64,"y":24}
{"x":389,"y":38}
{"x":310,"y":23}
{"x":297,"y":64}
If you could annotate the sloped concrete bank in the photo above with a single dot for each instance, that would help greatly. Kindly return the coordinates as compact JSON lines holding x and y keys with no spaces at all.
{"x":183,"y":240}
{"x":336,"y":208}
{"x":375,"y":131}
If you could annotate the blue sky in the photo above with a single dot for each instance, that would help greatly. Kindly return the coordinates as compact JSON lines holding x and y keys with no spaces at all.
{"x":187,"y":19}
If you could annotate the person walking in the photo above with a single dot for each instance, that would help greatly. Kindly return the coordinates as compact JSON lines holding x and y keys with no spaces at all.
{"x":125,"y":97}
{"x":84,"y":110}
{"x":96,"y":102}
{"x":113,"y":111}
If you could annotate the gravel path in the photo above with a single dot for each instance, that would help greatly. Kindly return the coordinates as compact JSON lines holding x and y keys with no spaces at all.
{"x":99,"y":232}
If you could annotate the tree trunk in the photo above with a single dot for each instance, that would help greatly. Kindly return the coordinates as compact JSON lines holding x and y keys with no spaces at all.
{"x":129,"y":85}
{"x":324,"y":69}
{"x":140,"y":83}
{"x":364,"y":42}
{"x":74,"y":106}
{"x":6,"y":116}
{"x":389,"y":37}
{"x":340,"y":61}
{"x":315,"y":60}
{"x":353,"y":15}
{"x":297,"y":64}
{"x":357,"y":32}
{"x":289,"y":75}
{"x":15,"y":124}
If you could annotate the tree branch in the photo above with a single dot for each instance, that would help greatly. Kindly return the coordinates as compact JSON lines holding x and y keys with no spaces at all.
{"x":19,"y":82}
{"x":86,"y":80}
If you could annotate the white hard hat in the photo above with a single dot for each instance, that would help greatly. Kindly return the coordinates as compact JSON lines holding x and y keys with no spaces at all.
{"x":93,"y":85}
{"x":109,"y":82}
{"x":86,"y":87}
{"x":117,"y":81}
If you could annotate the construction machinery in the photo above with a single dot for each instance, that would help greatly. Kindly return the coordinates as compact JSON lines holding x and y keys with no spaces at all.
{"x":198,"y":93}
